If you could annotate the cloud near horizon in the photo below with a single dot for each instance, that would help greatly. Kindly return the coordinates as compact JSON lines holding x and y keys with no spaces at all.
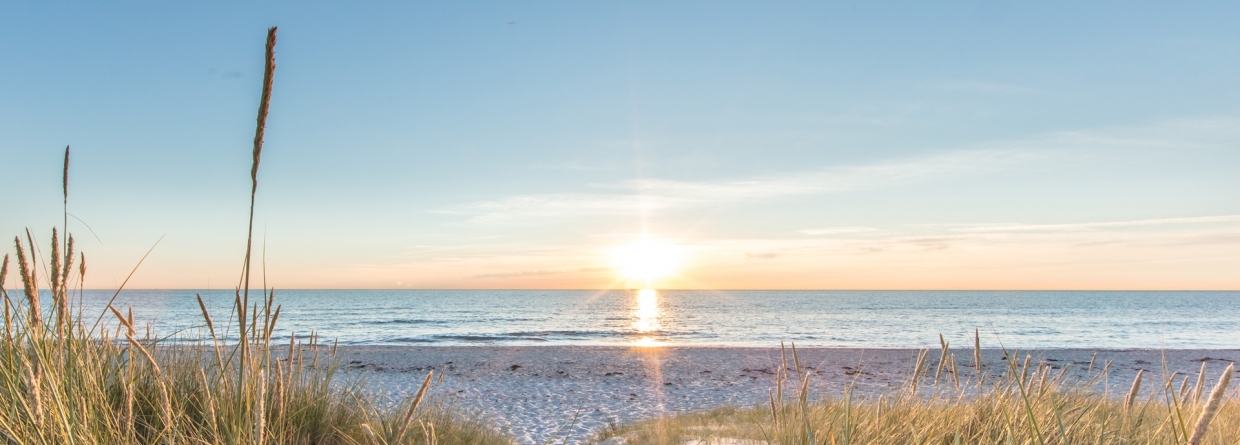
{"x":1187,"y":251}
{"x":651,"y":194}
{"x":1172,"y":253}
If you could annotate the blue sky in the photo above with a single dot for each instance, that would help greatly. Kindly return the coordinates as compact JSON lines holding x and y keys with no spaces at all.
{"x":502,"y":145}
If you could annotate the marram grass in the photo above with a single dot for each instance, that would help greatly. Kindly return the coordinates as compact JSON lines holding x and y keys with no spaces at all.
{"x":70,"y":378}
{"x":1088,"y":419}
{"x":1017,"y":405}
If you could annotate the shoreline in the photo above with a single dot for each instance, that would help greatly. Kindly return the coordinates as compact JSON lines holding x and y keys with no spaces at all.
{"x":632,"y":347}
{"x":532,"y":391}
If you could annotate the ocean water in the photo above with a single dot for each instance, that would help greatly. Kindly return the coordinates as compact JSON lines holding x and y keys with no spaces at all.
{"x":866,"y":319}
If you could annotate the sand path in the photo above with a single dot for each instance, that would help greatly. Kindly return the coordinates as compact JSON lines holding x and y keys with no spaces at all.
{"x":532,"y":391}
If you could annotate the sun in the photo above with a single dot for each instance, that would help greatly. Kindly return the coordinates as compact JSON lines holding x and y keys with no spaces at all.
{"x":647,"y":260}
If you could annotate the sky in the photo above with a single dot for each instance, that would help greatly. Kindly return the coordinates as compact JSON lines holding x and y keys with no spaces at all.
{"x":766,"y":145}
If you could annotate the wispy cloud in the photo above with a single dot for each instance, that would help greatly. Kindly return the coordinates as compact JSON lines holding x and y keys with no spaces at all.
{"x":1008,"y":228}
{"x":541,"y":272}
{"x":761,"y":256}
{"x":832,"y":179}
{"x":637,"y":195}
{"x":1178,"y":134}
{"x":1134,"y":253}
{"x":1168,"y":236}
{"x":837,"y":230}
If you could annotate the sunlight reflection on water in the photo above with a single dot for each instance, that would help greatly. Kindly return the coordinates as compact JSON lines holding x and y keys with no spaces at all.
{"x":647,"y":314}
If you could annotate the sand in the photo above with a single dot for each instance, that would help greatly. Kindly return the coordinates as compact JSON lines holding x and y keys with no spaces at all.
{"x":531,"y":392}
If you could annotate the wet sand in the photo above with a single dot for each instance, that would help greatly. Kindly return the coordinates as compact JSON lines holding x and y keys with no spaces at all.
{"x":532,"y":391}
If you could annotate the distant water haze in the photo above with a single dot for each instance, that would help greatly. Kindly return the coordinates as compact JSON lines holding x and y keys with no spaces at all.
{"x":858,"y":319}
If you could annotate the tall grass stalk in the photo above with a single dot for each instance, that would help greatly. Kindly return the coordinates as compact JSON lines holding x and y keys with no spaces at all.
{"x":1212,"y":406}
{"x":243,"y":299}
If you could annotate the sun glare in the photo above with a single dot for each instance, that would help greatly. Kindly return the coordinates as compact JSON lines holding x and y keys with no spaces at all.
{"x":647,"y":260}
{"x":647,"y":318}
{"x":647,"y":311}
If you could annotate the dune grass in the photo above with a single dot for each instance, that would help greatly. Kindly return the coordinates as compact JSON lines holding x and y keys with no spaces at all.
{"x":72,"y":378}
{"x":1021,"y":404}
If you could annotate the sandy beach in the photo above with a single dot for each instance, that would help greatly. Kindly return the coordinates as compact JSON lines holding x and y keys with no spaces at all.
{"x":531,"y":392}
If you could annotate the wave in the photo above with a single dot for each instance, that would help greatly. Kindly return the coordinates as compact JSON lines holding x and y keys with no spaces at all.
{"x":479,"y":338}
{"x":563,"y":333}
{"x":538,"y":336}
{"x":410,"y":321}
{"x":407,"y":340}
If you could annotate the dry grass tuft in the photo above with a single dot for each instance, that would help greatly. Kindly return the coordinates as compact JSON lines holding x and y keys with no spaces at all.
{"x":67,"y":384}
{"x":1014,"y":407}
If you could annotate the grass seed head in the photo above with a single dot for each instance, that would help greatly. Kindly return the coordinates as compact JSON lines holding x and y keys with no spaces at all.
{"x":1212,"y":406}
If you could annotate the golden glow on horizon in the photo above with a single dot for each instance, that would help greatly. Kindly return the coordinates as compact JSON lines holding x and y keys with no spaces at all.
{"x":647,"y":260}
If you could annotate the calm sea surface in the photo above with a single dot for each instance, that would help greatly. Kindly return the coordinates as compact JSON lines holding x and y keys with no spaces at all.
{"x":877,"y":319}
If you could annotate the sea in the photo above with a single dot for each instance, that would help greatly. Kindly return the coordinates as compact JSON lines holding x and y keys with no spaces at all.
{"x":737,"y":318}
